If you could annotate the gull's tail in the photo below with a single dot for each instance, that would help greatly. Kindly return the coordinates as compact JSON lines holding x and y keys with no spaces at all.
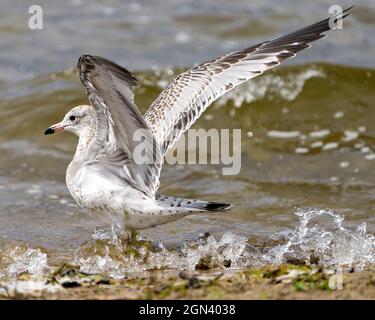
{"x":191,"y":204}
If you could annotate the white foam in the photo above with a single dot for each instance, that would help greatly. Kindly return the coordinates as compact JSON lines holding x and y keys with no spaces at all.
{"x":350,"y":135}
{"x":283,"y":134}
{"x":320,"y":133}
{"x":330,"y":145}
{"x":287,"y":88}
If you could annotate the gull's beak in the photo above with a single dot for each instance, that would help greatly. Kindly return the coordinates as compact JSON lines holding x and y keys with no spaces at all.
{"x":55,"y":128}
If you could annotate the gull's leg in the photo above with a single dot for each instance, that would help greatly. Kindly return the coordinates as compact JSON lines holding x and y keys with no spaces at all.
{"x":115,"y":239}
{"x":126,"y":236}
{"x":120,"y":236}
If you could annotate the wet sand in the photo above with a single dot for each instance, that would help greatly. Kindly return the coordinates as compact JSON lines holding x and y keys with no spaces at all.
{"x":270,"y":282}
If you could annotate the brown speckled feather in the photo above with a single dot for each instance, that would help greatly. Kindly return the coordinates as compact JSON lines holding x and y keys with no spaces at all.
{"x":190,"y":93}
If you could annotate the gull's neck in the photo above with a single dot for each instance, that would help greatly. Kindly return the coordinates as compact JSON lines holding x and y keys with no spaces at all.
{"x":85,"y":137}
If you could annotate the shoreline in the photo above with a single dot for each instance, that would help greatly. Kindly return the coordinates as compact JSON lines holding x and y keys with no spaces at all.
{"x":270,"y":282}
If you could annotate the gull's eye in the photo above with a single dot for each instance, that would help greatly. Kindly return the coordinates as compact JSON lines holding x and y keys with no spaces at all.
{"x":72,"y":118}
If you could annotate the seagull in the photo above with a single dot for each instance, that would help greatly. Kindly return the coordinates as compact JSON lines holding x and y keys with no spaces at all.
{"x":104,"y":177}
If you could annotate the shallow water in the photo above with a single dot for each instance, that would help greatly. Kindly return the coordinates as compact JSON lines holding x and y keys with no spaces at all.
{"x":311,"y":146}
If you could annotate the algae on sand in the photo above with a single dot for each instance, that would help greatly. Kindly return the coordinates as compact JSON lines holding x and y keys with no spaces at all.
{"x":269,"y":282}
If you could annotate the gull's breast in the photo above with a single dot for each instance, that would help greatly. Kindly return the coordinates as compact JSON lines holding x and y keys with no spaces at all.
{"x":102,"y":193}
{"x":94,"y":187}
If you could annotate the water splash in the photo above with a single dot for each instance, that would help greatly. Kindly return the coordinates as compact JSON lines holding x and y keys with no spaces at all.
{"x":19,"y":259}
{"x":206,"y":252}
{"x":115,"y":258}
{"x":321,"y":239}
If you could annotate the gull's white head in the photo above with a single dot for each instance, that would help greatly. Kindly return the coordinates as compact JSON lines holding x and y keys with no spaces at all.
{"x":76,"y":120}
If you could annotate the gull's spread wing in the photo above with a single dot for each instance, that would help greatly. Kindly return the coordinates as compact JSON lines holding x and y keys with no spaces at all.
{"x":109,"y":88}
{"x":190,"y":93}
